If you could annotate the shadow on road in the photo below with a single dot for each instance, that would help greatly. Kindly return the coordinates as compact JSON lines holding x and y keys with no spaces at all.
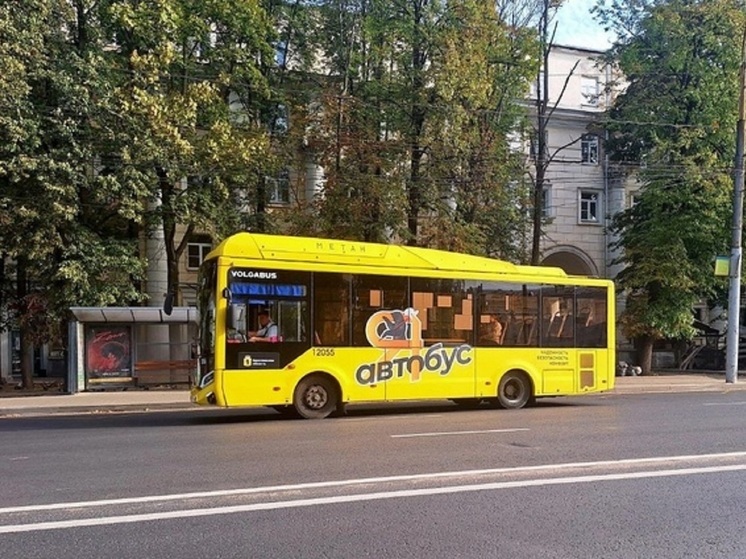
{"x":114,"y":419}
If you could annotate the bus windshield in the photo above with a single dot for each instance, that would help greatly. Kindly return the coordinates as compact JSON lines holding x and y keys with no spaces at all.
{"x":283,"y":297}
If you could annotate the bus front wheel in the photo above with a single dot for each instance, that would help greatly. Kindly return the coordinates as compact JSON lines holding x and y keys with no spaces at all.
{"x":315,"y":397}
{"x":514,"y":390}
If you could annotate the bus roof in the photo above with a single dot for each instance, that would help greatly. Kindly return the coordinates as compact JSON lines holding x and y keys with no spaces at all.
{"x":308,"y":249}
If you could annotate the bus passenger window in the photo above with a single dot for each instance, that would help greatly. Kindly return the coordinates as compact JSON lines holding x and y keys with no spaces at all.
{"x":371,"y":294}
{"x":445,"y":309}
{"x":590,"y":321}
{"x":331,"y":309}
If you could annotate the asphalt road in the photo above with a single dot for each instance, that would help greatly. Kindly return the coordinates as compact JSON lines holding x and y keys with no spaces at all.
{"x":657,"y":475}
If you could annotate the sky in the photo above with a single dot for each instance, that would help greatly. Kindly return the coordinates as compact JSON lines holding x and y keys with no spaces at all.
{"x":577,"y":28}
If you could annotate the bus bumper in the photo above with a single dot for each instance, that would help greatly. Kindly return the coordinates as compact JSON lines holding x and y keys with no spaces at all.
{"x":204,"y":396}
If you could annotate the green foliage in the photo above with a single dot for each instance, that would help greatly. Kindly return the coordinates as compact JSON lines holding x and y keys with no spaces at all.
{"x":54,"y":212}
{"x":412,"y":125}
{"x":122,"y":117}
{"x":677,"y":116}
{"x":186,"y":93}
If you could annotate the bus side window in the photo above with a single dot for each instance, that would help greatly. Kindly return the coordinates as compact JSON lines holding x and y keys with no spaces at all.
{"x":331,"y":309}
{"x":371,"y":294}
{"x":591,"y":317}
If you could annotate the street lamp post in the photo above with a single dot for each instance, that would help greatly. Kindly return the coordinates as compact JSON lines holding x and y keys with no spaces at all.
{"x":734,"y":273}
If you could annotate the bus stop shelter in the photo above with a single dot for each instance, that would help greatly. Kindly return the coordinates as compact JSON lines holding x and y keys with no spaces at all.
{"x":120,"y":347}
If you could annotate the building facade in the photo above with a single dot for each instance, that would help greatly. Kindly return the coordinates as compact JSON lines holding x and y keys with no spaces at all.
{"x":579,"y":193}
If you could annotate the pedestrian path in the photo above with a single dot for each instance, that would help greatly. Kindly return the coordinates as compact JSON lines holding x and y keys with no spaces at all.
{"x":134,"y":400}
{"x":150,"y":400}
{"x":689,"y":382}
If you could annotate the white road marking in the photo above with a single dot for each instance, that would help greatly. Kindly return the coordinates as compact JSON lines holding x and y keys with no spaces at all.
{"x":440,"y":433}
{"x":192,"y":513}
{"x":362,"y":481}
{"x":724,"y":404}
{"x":392,"y":417}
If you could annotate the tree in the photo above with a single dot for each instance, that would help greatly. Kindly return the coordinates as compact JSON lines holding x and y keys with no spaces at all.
{"x":479,"y":198}
{"x":542,"y":156}
{"x":63,"y":228}
{"x":185,"y":129}
{"x":413,"y":123}
{"x":673,"y":127}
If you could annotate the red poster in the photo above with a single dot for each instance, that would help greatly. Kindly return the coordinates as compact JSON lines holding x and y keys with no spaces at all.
{"x":108,"y":351}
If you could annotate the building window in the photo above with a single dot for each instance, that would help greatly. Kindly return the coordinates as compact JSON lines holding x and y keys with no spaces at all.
{"x":196,"y":253}
{"x":589,"y":149}
{"x":590,"y":90}
{"x":589,"y":206}
{"x":278,"y":188}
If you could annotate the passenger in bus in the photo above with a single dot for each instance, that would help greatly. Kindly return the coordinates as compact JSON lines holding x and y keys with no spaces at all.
{"x":492,"y":331}
{"x":268,"y":331}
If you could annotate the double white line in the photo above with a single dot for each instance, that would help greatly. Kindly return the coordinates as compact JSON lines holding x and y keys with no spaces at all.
{"x":393,"y":494}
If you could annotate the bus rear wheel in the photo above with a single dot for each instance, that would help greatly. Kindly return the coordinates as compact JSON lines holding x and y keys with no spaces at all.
{"x":514,"y":390}
{"x":315,"y":397}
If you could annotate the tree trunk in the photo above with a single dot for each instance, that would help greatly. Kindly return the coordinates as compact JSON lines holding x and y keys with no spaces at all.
{"x":417,"y":122}
{"x":27,"y":345}
{"x":645,"y":354}
{"x":415,"y":201}
{"x":168,"y":224}
{"x":542,"y":102}
{"x":2,"y":305}
{"x":537,"y":216}
{"x":27,"y":360}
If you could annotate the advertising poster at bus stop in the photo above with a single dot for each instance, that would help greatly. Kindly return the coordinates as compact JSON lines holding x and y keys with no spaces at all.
{"x":108,"y":352}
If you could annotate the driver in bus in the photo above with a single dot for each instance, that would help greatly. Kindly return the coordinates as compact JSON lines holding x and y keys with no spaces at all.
{"x":268,"y":331}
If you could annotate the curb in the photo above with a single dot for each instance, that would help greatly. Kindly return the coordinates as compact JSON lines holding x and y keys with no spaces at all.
{"x":96,"y":410}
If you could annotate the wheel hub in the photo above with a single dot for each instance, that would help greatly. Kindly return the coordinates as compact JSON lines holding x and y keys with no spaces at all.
{"x":512,"y":391}
{"x":316,"y":397}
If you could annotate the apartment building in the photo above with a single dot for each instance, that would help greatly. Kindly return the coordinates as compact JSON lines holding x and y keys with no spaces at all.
{"x":579,"y":193}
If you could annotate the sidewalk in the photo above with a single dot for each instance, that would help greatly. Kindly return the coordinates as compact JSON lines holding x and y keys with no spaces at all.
{"x":151,"y":400}
{"x":672,"y":382}
{"x":96,"y":402}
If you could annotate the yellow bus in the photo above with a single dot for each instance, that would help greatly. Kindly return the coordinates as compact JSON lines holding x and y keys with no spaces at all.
{"x":308,"y":325}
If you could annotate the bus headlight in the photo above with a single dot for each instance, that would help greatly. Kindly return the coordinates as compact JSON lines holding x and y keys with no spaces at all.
{"x":207,"y":379}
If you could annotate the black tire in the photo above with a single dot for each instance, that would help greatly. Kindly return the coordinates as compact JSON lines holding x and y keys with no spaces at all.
{"x":467,"y":403}
{"x":315,"y":397}
{"x":514,"y":390}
